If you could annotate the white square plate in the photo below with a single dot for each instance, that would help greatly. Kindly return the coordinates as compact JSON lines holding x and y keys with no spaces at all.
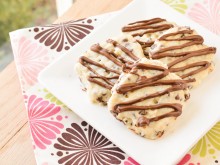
{"x":199,"y":115}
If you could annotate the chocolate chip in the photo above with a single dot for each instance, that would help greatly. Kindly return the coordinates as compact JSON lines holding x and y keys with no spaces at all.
{"x":141,"y":78}
{"x":100,"y":99}
{"x":187,"y":96}
{"x":141,"y":134}
{"x":132,"y":129}
{"x":143,"y":112}
{"x":125,"y":40}
{"x":155,"y":101}
{"x":177,"y":97}
{"x":190,"y":86}
{"x":143,"y":121}
{"x":159,"y":133}
{"x":84,"y":89}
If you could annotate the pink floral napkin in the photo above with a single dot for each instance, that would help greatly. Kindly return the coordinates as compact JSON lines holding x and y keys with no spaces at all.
{"x":59,"y":135}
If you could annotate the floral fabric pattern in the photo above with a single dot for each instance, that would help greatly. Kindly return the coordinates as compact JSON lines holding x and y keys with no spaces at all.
{"x":62,"y":36}
{"x":207,"y":14}
{"x":209,"y":143}
{"x":30,"y":58}
{"x":178,"y":5}
{"x":44,"y":121}
{"x":60,"y":136}
{"x":84,"y":145}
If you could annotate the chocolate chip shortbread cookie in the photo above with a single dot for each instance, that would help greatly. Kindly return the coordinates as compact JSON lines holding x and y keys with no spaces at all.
{"x":182,"y":49}
{"x":149,"y":98}
{"x":100,"y":67}
{"x":147,"y":31}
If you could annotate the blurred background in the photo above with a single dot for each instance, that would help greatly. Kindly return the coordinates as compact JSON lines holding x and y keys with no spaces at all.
{"x":16,"y":14}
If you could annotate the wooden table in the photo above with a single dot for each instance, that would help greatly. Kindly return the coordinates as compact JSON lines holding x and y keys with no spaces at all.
{"x":15,"y":142}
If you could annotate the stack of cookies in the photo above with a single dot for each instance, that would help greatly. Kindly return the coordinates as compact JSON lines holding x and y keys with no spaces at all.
{"x":145,"y":75}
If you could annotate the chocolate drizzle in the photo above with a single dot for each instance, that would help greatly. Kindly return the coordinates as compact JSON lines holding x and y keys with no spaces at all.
{"x":124,"y":64}
{"x":191,"y":40}
{"x":142,"y":121}
{"x":147,"y":26}
{"x":173,"y":85}
{"x":108,"y":84}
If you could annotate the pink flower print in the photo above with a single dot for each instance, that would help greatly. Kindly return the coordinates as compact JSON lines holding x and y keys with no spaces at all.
{"x":207,"y":14}
{"x":31,"y":58}
{"x":185,"y":159}
{"x":131,"y":161}
{"x":42,"y":116}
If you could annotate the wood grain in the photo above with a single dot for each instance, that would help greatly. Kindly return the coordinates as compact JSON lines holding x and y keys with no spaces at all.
{"x":10,"y":92}
{"x":18,"y":151}
{"x":86,"y":8}
{"x":15,"y":143}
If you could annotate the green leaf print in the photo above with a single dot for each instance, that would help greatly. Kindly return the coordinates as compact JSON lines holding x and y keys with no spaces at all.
{"x":178,"y":5}
{"x":52,"y":98}
{"x":209,"y":143}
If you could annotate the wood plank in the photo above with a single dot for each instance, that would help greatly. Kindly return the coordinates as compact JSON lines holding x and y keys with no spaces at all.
{"x":12,"y":112}
{"x":19,"y":150}
{"x":86,"y":8}
{"x":15,"y":141}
